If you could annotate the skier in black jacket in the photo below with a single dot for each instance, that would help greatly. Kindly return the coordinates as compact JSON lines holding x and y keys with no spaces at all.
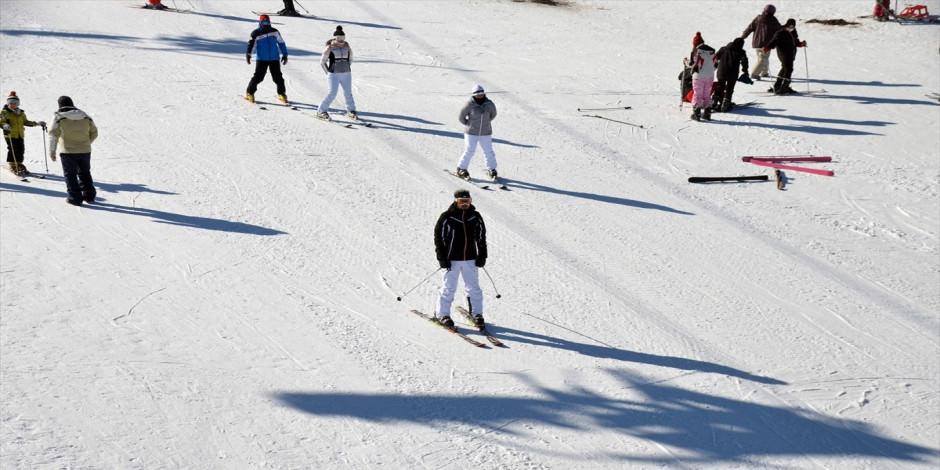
{"x":730,"y":58}
{"x":786,"y":41}
{"x":460,"y":243}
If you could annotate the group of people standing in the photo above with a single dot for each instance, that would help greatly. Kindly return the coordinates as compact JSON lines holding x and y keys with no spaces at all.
{"x":711,"y":76}
{"x":72,"y":127}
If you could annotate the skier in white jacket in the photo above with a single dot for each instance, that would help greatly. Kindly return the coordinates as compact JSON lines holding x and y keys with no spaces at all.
{"x":703,"y":76}
{"x":336,"y":62}
{"x":477,"y":116}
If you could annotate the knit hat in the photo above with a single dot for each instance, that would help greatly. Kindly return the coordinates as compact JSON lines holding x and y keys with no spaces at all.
{"x":461,"y":193}
{"x":478,"y":90}
{"x":65,"y":101}
{"x":770,"y":9}
{"x":697,"y":39}
{"x":790,"y":22}
{"x":339,"y":31}
{"x":13,"y":99}
{"x":264,"y":19}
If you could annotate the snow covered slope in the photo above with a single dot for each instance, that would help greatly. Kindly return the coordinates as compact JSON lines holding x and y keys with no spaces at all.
{"x":230,"y":302}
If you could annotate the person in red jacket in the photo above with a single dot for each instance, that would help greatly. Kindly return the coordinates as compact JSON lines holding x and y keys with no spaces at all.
{"x":155,"y":5}
{"x":882,"y":10}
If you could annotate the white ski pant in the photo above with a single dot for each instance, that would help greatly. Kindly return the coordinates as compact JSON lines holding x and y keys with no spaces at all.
{"x":337,"y":80}
{"x":762,"y":66}
{"x":471,"y":281}
{"x":470,"y":148}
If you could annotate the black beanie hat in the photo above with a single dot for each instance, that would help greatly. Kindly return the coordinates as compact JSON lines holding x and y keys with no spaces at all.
{"x":461,"y":193}
{"x":790,"y":22}
{"x":65,"y":101}
{"x":339,"y":31}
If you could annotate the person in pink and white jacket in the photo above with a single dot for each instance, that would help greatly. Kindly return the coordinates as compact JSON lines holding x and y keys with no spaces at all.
{"x":703,"y":76}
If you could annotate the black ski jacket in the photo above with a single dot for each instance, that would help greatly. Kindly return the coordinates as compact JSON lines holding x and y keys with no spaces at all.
{"x":730,"y":59}
{"x":460,"y":235}
{"x":786,"y":44}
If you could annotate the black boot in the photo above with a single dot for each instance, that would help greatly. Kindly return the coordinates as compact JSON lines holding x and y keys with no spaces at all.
{"x":707,"y":114}
{"x":448,"y":323}
{"x":696,"y":114}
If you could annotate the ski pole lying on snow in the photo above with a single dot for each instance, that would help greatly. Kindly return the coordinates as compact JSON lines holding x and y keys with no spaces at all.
{"x":614,"y":120}
{"x":604,"y":109}
{"x":815,"y":171}
{"x":716,"y":179}
{"x":418,"y":284}
{"x":493,"y":283}
{"x":789,"y":158}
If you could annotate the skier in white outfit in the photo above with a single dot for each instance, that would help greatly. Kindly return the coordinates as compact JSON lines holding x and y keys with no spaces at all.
{"x":460,"y":244}
{"x":477,"y":116}
{"x":336,"y":62}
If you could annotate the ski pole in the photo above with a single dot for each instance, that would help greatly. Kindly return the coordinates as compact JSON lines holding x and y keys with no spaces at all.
{"x":302,"y":7}
{"x":44,"y":154}
{"x":418,"y":284}
{"x":493,"y":283}
{"x":614,"y":120}
{"x":16,"y":164}
{"x":604,"y":109}
{"x":806,"y":59}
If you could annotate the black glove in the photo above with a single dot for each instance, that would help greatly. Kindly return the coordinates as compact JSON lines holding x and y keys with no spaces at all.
{"x":248,"y":58}
{"x":481,"y":262}
{"x":284,"y":60}
{"x":744,"y":78}
{"x":445,"y":263}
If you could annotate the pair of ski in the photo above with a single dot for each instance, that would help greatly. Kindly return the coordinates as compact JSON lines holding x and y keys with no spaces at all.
{"x":347,"y":124}
{"x":486,"y":334}
{"x":777,"y":162}
{"x":481,"y":183}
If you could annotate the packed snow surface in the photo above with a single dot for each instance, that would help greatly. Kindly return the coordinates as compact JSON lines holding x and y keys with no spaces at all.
{"x":230,"y":300}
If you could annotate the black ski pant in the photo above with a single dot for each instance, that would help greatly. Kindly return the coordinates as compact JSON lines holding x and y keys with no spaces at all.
{"x":77,"y":170}
{"x":724,"y":90}
{"x":289,"y":5}
{"x":15,"y":149}
{"x":261,"y":69}
{"x":783,"y":78}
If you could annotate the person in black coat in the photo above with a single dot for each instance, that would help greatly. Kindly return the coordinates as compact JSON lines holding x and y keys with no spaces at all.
{"x":730,"y":58}
{"x":785,"y":41}
{"x":460,"y":244}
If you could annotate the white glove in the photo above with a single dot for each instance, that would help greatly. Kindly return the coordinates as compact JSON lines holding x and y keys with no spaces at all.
{"x":52,"y":156}
{"x":6,"y":127}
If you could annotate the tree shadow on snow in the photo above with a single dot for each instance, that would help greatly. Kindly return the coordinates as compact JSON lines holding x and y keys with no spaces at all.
{"x":353,"y":23}
{"x":205,"y":223}
{"x":608,"y":352}
{"x":708,"y":429}
{"x":186,"y":44}
{"x":512,"y":183}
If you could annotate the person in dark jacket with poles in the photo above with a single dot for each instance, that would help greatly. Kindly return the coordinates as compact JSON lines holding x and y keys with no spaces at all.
{"x":460,"y":244}
{"x":730,"y":58}
{"x":786,"y":41}
{"x":764,"y":26}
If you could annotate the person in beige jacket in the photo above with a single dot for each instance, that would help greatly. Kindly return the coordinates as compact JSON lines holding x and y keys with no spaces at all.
{"x":77,"y":131}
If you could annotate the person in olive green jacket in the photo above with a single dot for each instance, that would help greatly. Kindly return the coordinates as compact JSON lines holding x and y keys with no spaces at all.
{"x":14,"y":122}
{"x":77,"y":131}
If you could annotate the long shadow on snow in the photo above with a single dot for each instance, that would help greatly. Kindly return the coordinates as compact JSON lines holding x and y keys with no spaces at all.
{"x":766,"y":112}
{"x":708,"y":428}
{"x":592,"y":196}
{"x":353,"y":23}
{"x":115,"y":187}
{"x":188,"y":44}
{"x":854,"y":83}
{"x":869,"y":99}
{"x":398,"y":127}
{"x":794,"y":128}
{"x":205,"y":223}
{"x":607,"y":352}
